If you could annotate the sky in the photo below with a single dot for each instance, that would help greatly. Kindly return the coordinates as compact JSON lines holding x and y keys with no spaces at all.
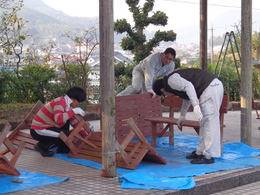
{"x":181,"y":13}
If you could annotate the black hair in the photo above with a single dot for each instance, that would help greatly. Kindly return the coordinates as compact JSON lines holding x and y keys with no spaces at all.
{"x":171,"y":51}
{"x":77,"y":93}
{"x":157,"y":86}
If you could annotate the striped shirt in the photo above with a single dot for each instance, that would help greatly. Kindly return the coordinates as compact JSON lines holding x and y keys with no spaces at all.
{"x":55,"y":114}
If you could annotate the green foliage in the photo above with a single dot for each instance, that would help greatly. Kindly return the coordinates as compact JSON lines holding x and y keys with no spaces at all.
{"x":30,"y":86}
{"x":177,"y":62}
{"x":229,"y":77}
{"x":74,"y":74}
{"x":122,"y":26}
{"x":123,"y":76}
{"x":135,"y":40}
{"x":256,"y":45}
{"x":256,"y":85}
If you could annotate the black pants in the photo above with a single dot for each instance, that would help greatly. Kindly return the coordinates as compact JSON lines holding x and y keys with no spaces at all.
{"x":47,"y":142}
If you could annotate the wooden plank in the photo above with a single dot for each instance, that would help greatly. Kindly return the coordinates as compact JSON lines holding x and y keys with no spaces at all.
{"x":27,"y":145}
{"x":4,"y":132}
{"x":28,"y":119}
{"x":127,"y":139}
{"x":24,"y":137}
{"x":94,"y":107}
{"x":17,"y":136}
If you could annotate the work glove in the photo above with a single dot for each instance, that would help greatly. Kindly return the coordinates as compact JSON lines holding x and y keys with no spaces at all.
{"x":197,"y":112}
{"x":79,"y":111}
{"x":151,"y":92}
{"x":180,"y":122}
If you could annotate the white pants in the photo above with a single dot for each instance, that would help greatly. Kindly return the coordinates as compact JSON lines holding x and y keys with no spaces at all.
{"x":210,"y":102}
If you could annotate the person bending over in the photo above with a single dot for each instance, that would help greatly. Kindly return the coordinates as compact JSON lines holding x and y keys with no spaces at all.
{"x":55,"y":117}
{"x":144,"y":74}
{"x":205,"y":92}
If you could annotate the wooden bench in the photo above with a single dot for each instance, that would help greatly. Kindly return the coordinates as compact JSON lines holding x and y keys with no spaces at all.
{"x":128,"y":153}
{"x":138,"y":107}
{"x":174,"y":102}
{"x":7,"y":166}
{"x":130,"y":112}
{"x":75,"y":141}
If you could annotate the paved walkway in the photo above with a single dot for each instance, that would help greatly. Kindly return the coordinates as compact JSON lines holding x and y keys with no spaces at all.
{"x":86,"y":180}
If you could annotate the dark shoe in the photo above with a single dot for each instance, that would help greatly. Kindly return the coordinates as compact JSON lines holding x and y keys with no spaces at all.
{"x":202,"y":160}
{"x":61,"y":150}
{"x":43,"y":153}
{"x":193,"y":155}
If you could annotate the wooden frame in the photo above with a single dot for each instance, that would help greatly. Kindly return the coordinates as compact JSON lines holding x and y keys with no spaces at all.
{"x":128,"y":153}
{"x":7,"y":166}
{"x":75,"y":141}
{"x":17,"y":135}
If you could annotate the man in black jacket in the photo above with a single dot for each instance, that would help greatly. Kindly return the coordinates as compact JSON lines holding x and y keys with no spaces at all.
{"x":205,"y":92}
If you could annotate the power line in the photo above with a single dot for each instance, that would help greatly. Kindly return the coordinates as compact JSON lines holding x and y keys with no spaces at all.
{"x":209,"y":4}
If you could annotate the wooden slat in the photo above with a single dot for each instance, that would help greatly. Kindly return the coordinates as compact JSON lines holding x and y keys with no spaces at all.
{"x":138,"y":107}
{"x":75,"y":146}
{"x":17,"y":136}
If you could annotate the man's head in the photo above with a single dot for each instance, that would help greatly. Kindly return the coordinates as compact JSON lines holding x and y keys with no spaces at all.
{"x":168,"y":56}
{"x":158,"y":85}
{"x":77,"y":93}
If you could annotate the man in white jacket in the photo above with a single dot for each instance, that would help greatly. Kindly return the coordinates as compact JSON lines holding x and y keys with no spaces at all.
{"x":205,"y":92}
{"x":152,"y":67}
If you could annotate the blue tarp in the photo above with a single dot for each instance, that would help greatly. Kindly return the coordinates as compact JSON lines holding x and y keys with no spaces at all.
{"x":30,"y":180}
{"x":152,"y":181}
{"x":178,"y":172}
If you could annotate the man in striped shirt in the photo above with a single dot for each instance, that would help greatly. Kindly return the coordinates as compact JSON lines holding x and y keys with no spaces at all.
{"x":55,"y":117}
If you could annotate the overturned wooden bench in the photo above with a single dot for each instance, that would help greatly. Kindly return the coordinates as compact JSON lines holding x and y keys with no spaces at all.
{"x":75,"y":141}
{"x":174,"y":102}
{"x":129,"y":154}
{"x":8,"y":166}
{"x":130,"y":112}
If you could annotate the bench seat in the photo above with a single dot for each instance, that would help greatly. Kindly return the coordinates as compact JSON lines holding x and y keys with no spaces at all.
{"x":174,"y":102}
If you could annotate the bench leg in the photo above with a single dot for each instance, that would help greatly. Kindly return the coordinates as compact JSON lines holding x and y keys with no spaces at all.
{"x":153,"y":134}
{"x":221,"y":140}
{"x":171,"y":137}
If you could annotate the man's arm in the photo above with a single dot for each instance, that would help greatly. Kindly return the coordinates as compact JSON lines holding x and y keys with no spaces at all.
{"x":178,"y":83}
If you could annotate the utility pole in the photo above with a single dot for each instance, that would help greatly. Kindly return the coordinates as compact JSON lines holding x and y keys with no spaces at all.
{"x":246,"y":72}
{"x":203,"y":34}
{"x":212,"y":45}
{"x":106,"y":26}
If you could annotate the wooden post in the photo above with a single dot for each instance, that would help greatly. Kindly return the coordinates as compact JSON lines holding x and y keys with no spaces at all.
{"x":106,"y":26}
{"x":246,"y":72}
{"x":203,"y":34}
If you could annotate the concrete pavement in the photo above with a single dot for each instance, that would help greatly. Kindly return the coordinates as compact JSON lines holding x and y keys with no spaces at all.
{"x":86,"y":180}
